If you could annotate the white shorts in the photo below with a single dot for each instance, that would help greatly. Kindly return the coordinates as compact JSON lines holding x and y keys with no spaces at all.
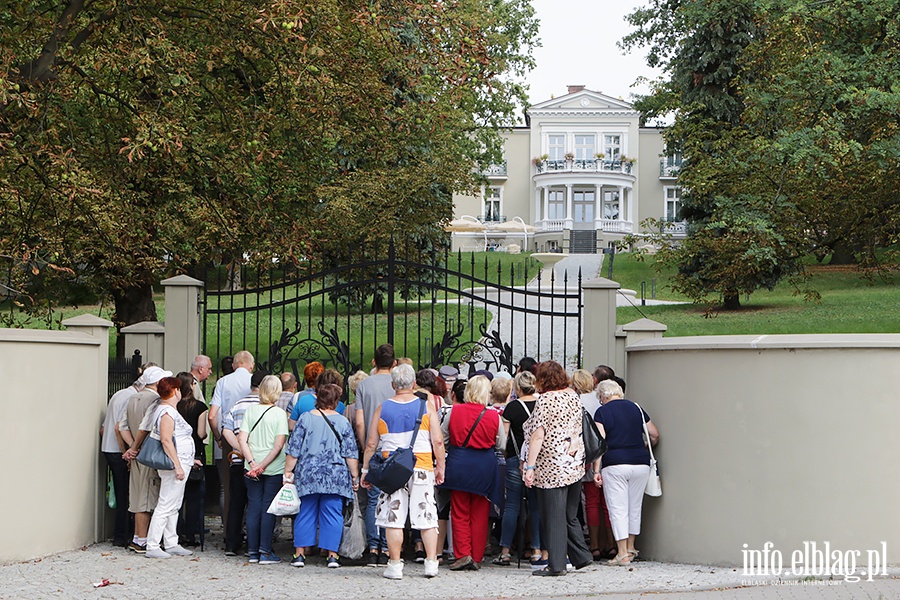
{"x":418,"y":492}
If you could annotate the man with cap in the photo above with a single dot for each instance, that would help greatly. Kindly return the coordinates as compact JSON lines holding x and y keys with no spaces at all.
{"x":143,"y":484}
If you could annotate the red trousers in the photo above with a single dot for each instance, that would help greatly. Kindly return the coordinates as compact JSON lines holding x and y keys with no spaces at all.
{"x":469,"y":518}
{"x":595,"y":506}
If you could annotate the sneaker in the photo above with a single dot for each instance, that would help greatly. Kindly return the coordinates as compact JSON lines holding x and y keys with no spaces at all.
{"x":178,"y":551}
{"x":383,"y":558}
{"x":267,"y":558}
{"x":539,"y":563}
{"x":420,"y":556}
{"x":569,"y":565}
{"x":298,"y":561}
{"x":373,"y":558}
{"x":394,"y":570}
{"x":139,"y":548}
{"x":431,"y":568}
{"x":157,"y":553}
{"x":333,"y":562}
{"x":229,"y":552}
{"x":254,"y":558}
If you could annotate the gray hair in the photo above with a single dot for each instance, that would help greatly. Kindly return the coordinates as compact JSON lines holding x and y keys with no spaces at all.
{"x":403,"y":377}
{"x":609,"y":388}
{"x":199,"y":361}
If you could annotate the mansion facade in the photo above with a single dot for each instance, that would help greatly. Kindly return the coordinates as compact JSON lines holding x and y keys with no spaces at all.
{"x":581,"y":175}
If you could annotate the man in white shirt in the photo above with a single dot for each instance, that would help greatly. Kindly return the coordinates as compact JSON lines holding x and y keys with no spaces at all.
{"x":229,"y":389}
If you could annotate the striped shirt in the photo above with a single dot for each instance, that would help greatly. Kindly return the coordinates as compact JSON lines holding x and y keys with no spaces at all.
{"x":396,"y":428}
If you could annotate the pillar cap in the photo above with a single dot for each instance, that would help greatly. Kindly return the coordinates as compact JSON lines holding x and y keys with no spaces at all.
{"x":182,"y":280}
{"x":145,"y":327}
{"x":87,"y":320}
{"x":644,"y":325}
{"x":601,"y":283}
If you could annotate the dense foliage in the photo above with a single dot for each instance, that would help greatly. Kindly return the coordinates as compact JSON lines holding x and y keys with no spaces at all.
{"x":787,"y":115}
{"x":141,"y":139}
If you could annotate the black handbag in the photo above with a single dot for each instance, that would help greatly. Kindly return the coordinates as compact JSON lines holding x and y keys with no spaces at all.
{"x":392,"y":473}
{"x":594,"y":444}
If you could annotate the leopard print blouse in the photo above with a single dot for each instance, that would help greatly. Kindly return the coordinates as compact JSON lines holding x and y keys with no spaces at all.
{"x":560,"y":462}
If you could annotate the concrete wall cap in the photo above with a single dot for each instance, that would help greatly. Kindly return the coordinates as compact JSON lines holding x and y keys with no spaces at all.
{"x":43,"y":336}
{"x":146,"y":327}
{"x":87,"y":320}
{"x":182,"y":280}
{"x":770,"y":342}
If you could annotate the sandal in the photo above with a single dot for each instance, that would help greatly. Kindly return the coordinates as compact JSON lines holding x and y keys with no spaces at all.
{"x":634,"y":554}
{"x":502,"y":560}
{"x":620,"y":561}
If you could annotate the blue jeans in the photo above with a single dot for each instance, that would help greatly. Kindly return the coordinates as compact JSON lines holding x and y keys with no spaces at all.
{"x":513,"y":504}
{"x":374,"y":535}
{"x":323,"y":513}
{"x":260,"y":524}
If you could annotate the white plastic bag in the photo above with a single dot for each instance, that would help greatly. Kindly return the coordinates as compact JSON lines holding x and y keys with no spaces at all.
{"x":286,"y":501}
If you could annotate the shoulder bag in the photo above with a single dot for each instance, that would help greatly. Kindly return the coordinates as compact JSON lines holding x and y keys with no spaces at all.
{"x":392,"y":473}
{"x":654,"y":484}
{"x":153,"y":454}
{"x":594,"y":444}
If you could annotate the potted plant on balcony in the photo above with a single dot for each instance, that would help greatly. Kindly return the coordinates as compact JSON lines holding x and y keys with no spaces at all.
{"x":537,"y":161}
{"x":628,"y":161}
{"x":569,"y":156}
{"x":599,"y":156}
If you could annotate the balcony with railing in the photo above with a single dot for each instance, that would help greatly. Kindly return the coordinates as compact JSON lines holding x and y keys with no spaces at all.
{"x":495,"y":170}
{"x":673,"y":226}
{"x":669,"y":167}
{"x":585,"y":165}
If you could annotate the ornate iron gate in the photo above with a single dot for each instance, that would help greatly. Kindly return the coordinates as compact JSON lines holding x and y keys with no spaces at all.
{"x":451,"y":310}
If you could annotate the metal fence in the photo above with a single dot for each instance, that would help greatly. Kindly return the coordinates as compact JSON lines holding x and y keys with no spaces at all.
{"x":437,"y":308}
{"x":123,"y":372}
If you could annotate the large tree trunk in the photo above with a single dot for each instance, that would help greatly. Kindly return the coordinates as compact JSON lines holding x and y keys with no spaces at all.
{"x":134,"y":304}
{"x":731,"y":300}
{"x":842,"y":254}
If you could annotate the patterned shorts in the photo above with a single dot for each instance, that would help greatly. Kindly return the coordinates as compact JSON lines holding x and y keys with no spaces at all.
{"x":416,"y":499}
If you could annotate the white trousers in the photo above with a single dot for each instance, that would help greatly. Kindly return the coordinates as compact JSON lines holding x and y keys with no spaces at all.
{"x":623,"y":489}
{"x":164,"y":522}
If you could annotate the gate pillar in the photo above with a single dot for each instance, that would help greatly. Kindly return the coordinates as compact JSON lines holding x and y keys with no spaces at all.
{"x":182,"y":322}
{"x":599,"y":337}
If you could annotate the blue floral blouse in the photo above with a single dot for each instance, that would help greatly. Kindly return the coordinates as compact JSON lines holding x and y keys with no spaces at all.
{"x":321,"y":466}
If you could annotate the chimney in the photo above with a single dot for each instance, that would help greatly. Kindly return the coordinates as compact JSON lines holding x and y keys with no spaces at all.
{"x":575,"y":88}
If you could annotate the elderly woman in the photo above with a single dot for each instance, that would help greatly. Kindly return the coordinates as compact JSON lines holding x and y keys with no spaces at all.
{"x":323,"y":462}
{"x":395,"y":422}
{"x":262,"y":436}
{"x":514,"y":415}
{"x":626,"y":465}
{"x":175,"y":434}
{"x":472,"y":431}
{"x":555,"y":466}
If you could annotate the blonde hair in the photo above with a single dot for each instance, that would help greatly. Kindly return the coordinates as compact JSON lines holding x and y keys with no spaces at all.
{"x":478,"y":390}
{"x":525,"y":383}
{"x":582,"y":381}
{"x":354,"y":380}
{"x":500,"y":390}
{"x":269,"y":389}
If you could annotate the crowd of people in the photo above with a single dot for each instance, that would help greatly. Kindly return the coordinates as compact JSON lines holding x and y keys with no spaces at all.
{"x":499,"y":463}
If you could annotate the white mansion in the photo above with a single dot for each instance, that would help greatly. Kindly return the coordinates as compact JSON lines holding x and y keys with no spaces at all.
{"x":581,"y":173}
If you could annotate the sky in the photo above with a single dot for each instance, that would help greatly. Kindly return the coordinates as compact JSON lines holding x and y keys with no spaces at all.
{"x":578,"y":40}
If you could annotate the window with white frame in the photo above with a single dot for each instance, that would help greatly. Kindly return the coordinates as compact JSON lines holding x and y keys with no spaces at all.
{"x":556,"y":146}
{"x":612,"y":146}
{"x":611,"y":205}
{"x":556,"y":205}
{"x":492,"y":197}
{"x":584,"y":147}
{"x":583,"y":205}
{"x":673,"y":204}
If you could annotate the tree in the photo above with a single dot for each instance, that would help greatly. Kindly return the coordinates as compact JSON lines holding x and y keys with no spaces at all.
{"x":786,"y":115}
{"x":140,"y":139}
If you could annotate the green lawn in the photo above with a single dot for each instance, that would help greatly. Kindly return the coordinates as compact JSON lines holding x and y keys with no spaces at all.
{"x":849,"y":304}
